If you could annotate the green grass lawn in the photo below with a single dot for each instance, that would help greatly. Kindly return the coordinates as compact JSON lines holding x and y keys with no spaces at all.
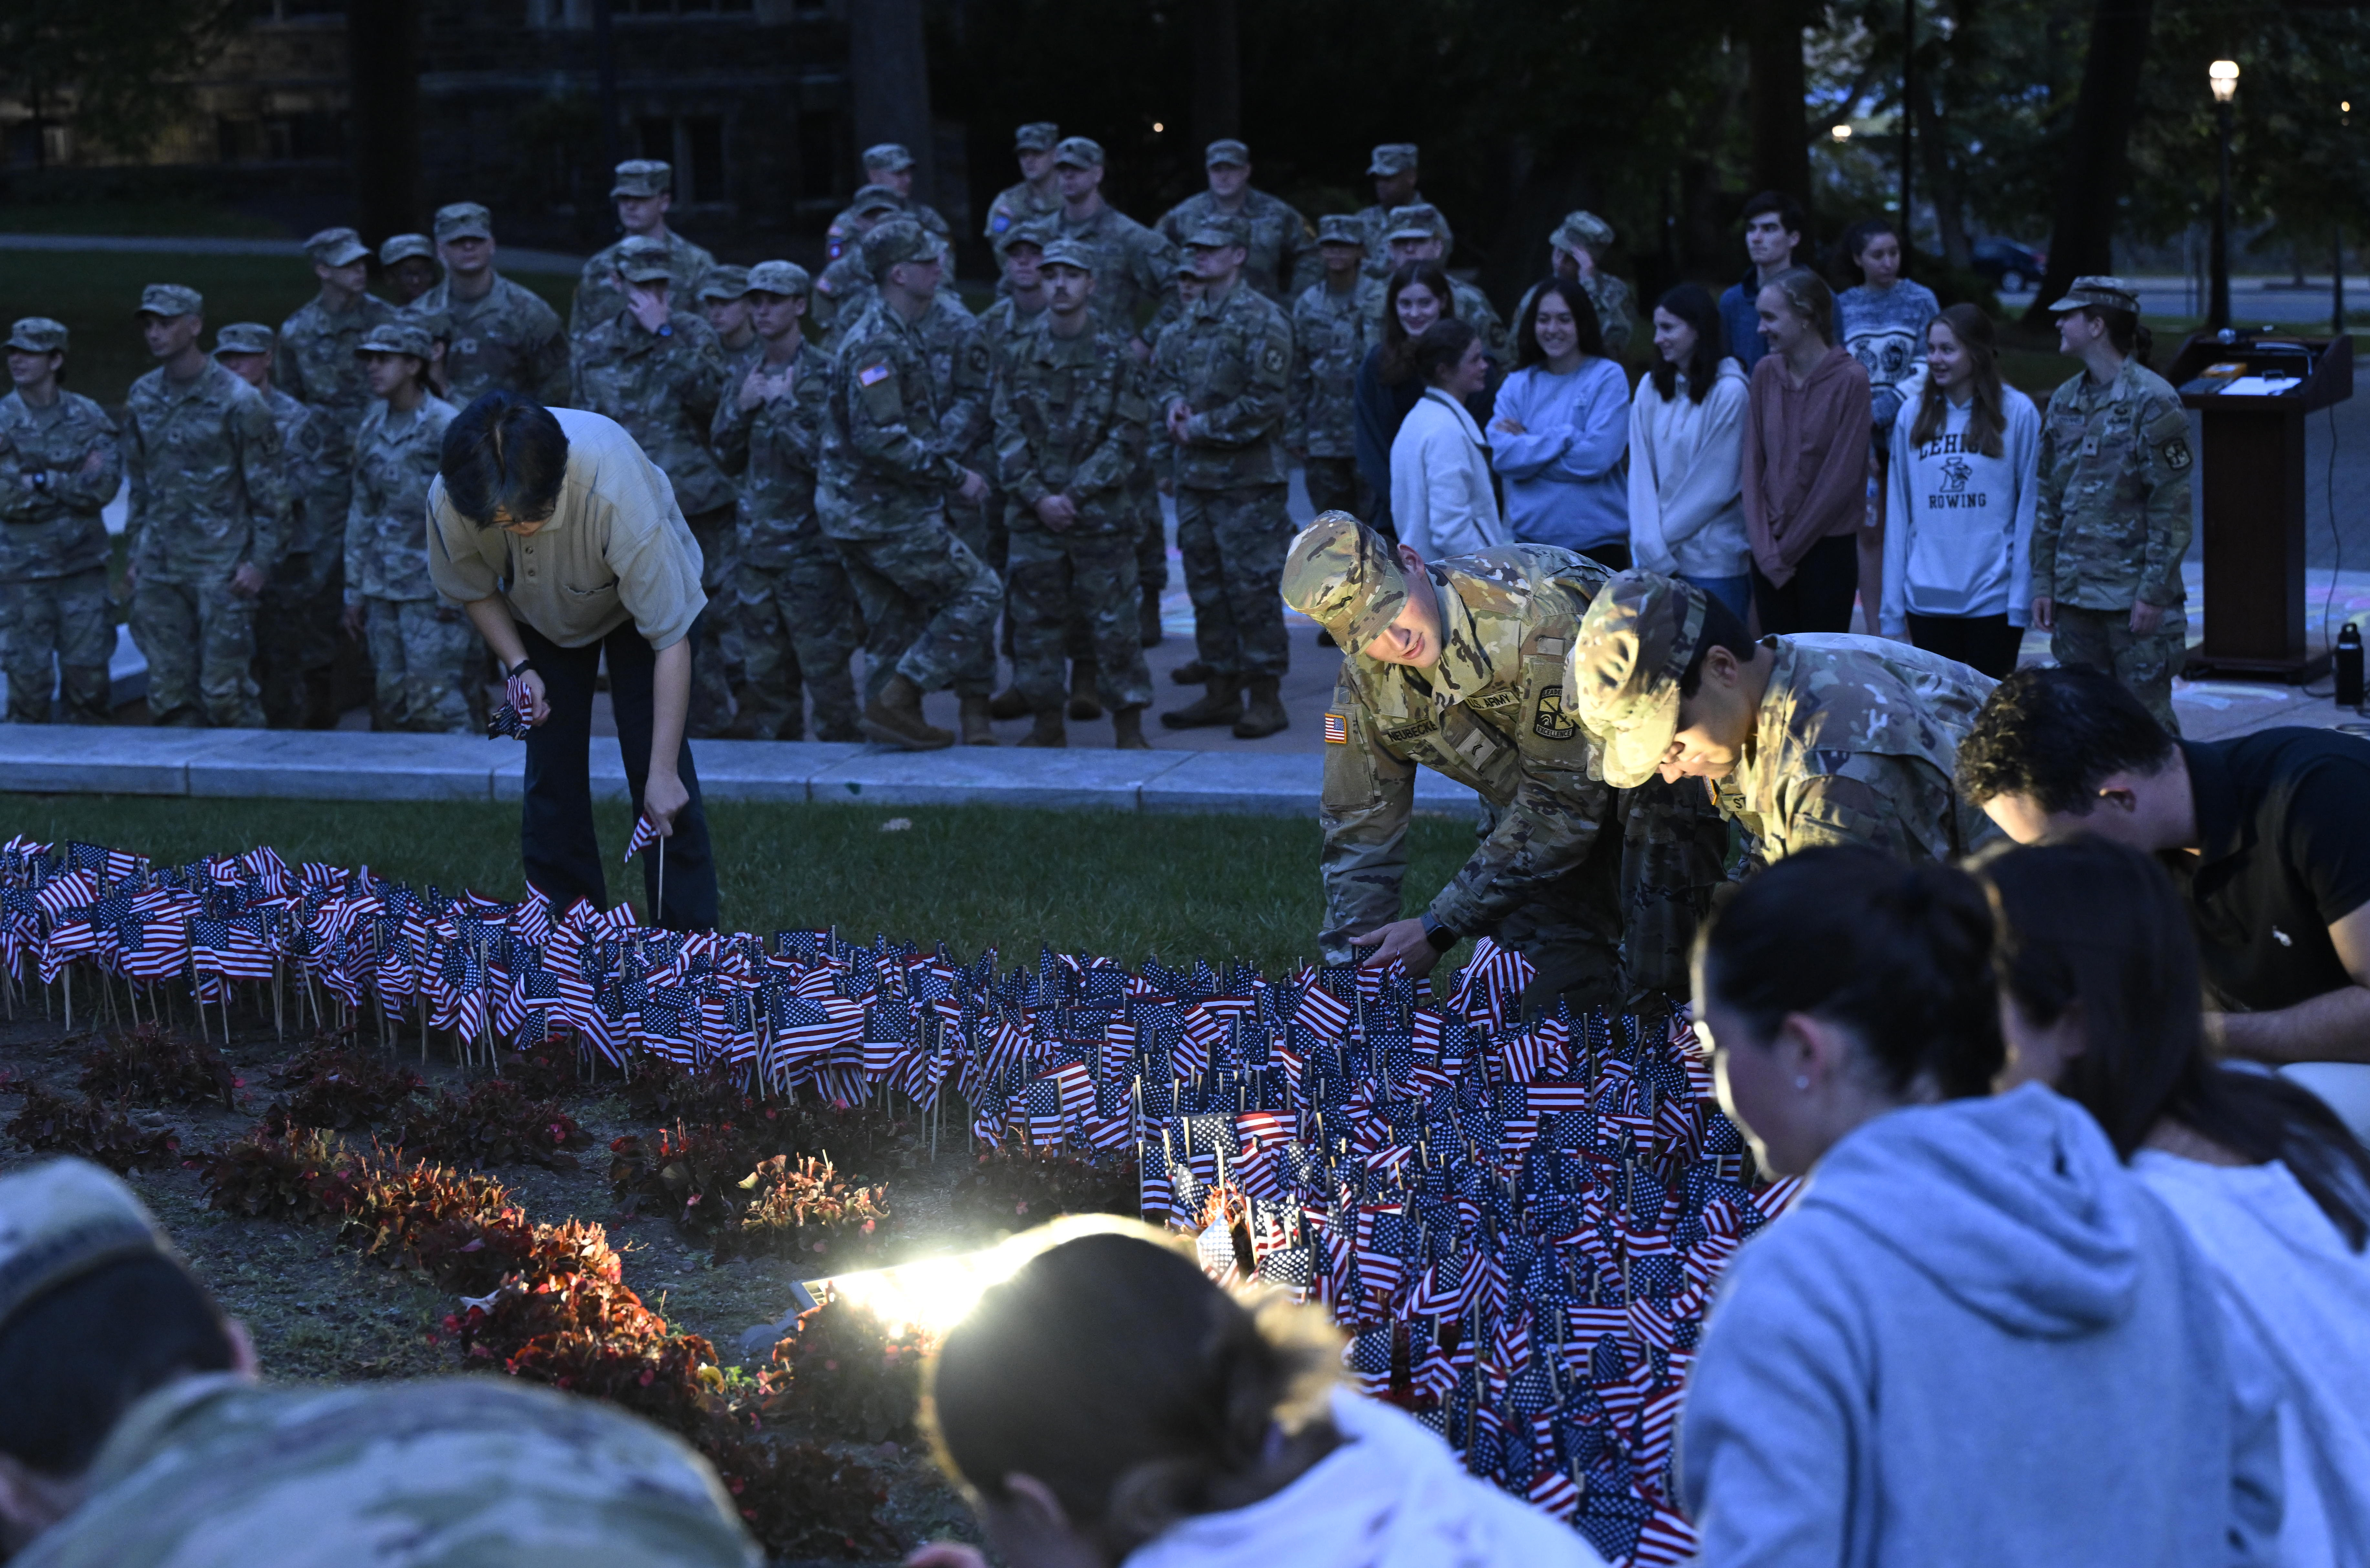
{"x":181,"y":218}
{"x":95,"y":293}
{"x":1115,"y":883}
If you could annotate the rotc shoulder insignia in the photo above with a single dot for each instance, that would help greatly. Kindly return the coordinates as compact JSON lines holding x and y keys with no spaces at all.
{"x":1337,"y":729}
{"x":2176,"y":454}
{"x":1272,"y":363}
{"x":1551,"y":722}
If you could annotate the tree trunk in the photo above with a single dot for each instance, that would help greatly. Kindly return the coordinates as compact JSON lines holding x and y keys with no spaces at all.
{"x":2083,"y":239}
{"x":382,"y":40}
{"x":1947,"y":183}
{"x":889,"y":68}
{"x":1781,"y":150}
{"x":1217,"y":71}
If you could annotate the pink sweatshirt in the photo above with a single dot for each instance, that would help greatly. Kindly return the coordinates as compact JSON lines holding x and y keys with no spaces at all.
{"x":1806,"y":457}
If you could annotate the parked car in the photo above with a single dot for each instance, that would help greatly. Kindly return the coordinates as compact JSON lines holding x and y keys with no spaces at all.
{"x":2011,"y":268}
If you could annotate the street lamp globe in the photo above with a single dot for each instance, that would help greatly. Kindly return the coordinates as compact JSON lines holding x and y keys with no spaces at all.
{"x":1841,"y":133}
{"x":2224,"y":75}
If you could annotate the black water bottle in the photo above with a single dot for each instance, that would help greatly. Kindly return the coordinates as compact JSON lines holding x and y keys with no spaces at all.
{"x":2349,"y":666}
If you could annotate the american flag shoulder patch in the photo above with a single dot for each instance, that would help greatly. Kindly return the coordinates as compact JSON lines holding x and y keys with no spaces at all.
{"x":1337,"y":729}
{"x":872,"y":375}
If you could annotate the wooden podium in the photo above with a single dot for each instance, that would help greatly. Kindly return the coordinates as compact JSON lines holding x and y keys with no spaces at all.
{"x":2252,"y":484}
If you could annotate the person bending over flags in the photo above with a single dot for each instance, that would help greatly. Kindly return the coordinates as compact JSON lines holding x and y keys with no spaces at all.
{"x":564,"y":543}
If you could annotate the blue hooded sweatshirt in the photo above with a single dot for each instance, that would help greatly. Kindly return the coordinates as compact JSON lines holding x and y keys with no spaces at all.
{"x":1976,"y":1341}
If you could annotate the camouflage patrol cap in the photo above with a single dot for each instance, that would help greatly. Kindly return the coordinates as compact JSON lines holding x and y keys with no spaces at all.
{"x":1079,"y":151}
{"x":643,"y":176}
{"x":1634,"y":644}
{"x":436,"y":323}
{"x":464,"y":219}
{"x":875,"y":199}
{"x":726,"y":282}
{"x":890,"y":155}
{"x":1418,"y":220}
{"x":38,"y":335}
{"x":899,"y":239}
{"x":1340,"y":228}
{"x":1037,"y":136}
{"x":1036,"y":233}
{"x":62,"y":1218}
{"x":397,"y":338}
{"x":1186,"y":272}
{"x":1393,"y":157}
{"x":780,"y":277}
{"x":244,"y":338}
{"x":1070,"y":253}
{"x":336,"y":248}
{"x":1341,"y":575}
{"x":643,"y":260}
{"x":401,"y":247}
{"x":171,"y":299}
{"x":1226,"y":150}
{"x":1215,"y":231}
{"x":1582,"y":231}
{"x":2095,"y":289}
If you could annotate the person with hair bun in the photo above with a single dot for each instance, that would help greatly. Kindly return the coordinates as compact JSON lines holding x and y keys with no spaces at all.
{"x":1109,"y":1403}
{"x":1442,"y":498}
{"x":2100,"y":980}
{"x":1975,"y":1338}
{"x":1806,"y":461}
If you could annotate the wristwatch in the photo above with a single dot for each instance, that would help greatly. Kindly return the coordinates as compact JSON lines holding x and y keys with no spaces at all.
{"x":1439,"y":935}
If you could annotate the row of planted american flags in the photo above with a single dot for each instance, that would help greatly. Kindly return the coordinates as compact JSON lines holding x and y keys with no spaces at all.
{"x":1518,"y":1223}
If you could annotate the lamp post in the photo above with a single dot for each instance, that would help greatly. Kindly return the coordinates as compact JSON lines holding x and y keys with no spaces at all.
{"x":2223,"y":74}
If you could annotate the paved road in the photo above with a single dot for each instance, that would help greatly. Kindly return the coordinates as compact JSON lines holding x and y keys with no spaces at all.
{"x":2254,"y":302}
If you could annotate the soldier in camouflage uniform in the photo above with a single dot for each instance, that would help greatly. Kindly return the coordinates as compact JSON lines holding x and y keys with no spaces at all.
{"x":796,"y":608}
{"x":1070,"y":420}
{"x":296,"y":623}
{"x":1574,"y":251}
{"x":208,"y":518}
{"x":2113,"y":523}
{"x":60,"y":466}
{"x":724,"y":301}
{"x":408,"y":263}
{"x":1335,"y":322}
{"x":1038,"y":195}
{"x":1812,"y":739}
{"x":1282,"y":253}
{"x":1393,"y":170}
{"x":315,"y":364}
{"x":886,"y":476}
{"x":887,"y":167}
{"x":845,"y":291}
{"x":644,"y":193}
{"x":1220,"y":381}
{"x":503,"y":335}
{"x":1458,"y":666}
{"x":657,"y":369}
{"x":1420,"y":233}
{"x":959,"y":364}
{"x":423,"y":647}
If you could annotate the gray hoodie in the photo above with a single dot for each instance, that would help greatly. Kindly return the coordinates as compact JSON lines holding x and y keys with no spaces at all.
{"x":1977,"y":1340}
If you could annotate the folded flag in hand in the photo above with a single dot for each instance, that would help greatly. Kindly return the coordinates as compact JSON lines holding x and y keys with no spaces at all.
{"x":507,"y":722}
{"x":646,"y":833}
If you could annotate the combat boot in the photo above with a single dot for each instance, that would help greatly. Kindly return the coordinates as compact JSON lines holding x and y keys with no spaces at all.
{"x":1127,"y":723}
{"x":1007,"y":704}
{"x":1222,"y":703}
{"x":1085,"y":706}
{"x":1265,"y":714}
{"x":895,"y":719}
{"x":976,"y":731}
{"x":1047,"y":730}
{"x":1192,"y":672}
{"x":1147,"y":617}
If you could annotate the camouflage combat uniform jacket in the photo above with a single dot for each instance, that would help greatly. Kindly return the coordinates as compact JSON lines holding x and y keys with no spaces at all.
{"x":959,"y":363}
{"x":59,"y":468}
{"x":842,"y":295}
{"x":209,"y":486}
{"x":772,"y":451}
{"x":386,"y":527}
{"x":886,"y":467}
{"x":508,"y":338}
{"x":2112,"y":522}
{"x":1230,"y":360}
{"x":316,"y":365}
{"x":1376,"y":221}
{"x":313,"y":523}
{"x":1070,"y":420}
{"x":664,"y":389}
{"x":1283,"y":259}
{"x":1489,"y":715}
{"x":1003,"y":322}
{"x":1017,"y":204}
{"x":1857,"y":742}
{"x":1331,"y":335}
{"x":597,"y":299}
{"x":1135,"y":268}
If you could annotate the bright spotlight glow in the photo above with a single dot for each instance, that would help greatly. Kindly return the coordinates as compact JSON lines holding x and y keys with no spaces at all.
{"x":929,"y":1296}
{"x":1841,"y":134}
{"x":2223,"y":75}
{"x":1157,"y":127}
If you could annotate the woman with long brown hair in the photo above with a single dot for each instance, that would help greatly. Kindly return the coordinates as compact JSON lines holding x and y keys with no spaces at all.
{"x":1963,"y":482}
{"x":1418,"y":296}
{"x":1805,"y":463}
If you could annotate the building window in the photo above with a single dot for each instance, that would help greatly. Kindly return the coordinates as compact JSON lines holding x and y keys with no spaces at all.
{"x":315,"y":135}
{"x":694,"y":144}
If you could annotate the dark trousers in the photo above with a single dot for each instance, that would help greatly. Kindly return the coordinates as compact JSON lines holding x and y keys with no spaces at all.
{"x":557,"y":842}
{"x":1818,"y":597}
{"x":1985,"y":642}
